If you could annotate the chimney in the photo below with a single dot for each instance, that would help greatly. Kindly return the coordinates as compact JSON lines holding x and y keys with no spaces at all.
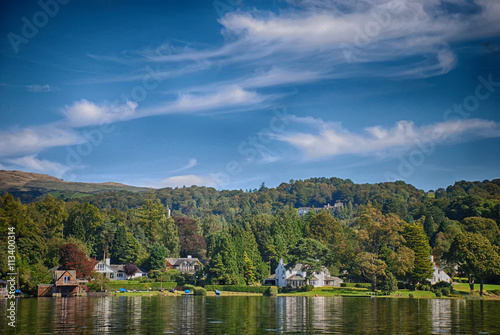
{"x":108,"y":261}
{"x":189,"y":256}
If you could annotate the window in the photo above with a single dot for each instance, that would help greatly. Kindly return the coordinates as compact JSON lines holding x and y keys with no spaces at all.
{"x":100,"y":267}
{"x":67,"y":279}
{"x":111,"y":275}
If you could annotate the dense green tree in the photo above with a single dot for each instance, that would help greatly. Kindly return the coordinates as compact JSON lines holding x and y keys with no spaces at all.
{"x":85,"y":223}
{"x":157,"y":257}
{"x":222,"y":253}
{"x":389,"y":283}
{"x":118,"y":249}
{"x":312,"y":254}
{"x":475,"y":257}
{"x":249,"y":270}
{"x":375,"y":230}
{"x":416,"y":240}
{"x":51,"y":214}
{"x":322,"y":227}
{"x":486,"y":227}
{"x":152,"y":218}
{"x":171,"y":238}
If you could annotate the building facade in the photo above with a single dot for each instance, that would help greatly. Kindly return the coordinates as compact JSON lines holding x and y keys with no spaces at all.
{"x":296,"y":277}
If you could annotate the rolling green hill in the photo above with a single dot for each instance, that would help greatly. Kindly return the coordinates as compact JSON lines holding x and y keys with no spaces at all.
{"x":29,"y":186}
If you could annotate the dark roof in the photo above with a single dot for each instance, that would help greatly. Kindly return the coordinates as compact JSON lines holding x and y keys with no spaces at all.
{"x":179,"y":261}
{"x":295,"y":277}
{"x":117,"y":267}
{"x":58,"y":274}
{"x":297,"y":267}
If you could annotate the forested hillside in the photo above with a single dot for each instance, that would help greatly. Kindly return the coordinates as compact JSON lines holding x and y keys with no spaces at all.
{"x":377,"y":232}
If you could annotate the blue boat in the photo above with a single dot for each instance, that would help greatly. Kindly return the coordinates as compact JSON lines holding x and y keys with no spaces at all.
{"x":123,"y":290}
{"x":187,"y":291}
{"x":217,"y":292}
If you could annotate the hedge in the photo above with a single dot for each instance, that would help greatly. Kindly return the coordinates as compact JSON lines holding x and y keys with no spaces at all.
{"x":365,"y":285}
{"x":200,"y":291}
{"x":115,"y":286}
{"x":240,"y":288}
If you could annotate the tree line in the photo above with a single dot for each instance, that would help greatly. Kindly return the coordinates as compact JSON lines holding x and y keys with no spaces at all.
{"x":382,"y":233}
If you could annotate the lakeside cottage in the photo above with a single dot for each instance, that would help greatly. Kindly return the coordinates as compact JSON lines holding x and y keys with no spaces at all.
{"x":117,"y":271}
{"x":296,"y":277}
{"x":65,"y":285}
{"x":438,"y":274}
{"x":184,"y":265}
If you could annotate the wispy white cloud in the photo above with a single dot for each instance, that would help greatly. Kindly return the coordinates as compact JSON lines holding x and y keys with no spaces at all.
{"x":35,"y":139}
{"x":85,"y":113}
{"x":322,"y":35}
{"x":40,"y":88}
{"x":192,"y":163}
{"x":232,"y":96}
{"x":187,"y":180}
{"x":32,"y":163}
{"x":331,"y":139}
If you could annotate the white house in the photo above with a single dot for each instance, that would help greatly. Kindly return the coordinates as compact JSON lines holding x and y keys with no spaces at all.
{"x":296,"y":276}
{"x":116,"y":271}
{"x":438,"y":274}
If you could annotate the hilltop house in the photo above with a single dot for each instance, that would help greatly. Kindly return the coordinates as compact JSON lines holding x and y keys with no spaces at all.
{"x":296,"y":277}
{"x":116,"y":271}
{"x":438,"y":274}
{"x":184,"y":265}
{"x":65,"y":285}
{"x":304,"y":210}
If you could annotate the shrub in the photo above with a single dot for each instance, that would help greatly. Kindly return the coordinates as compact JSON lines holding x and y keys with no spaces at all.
{"x":411,"y":296}
{"x":273,"y":291}
{"x":443,"y":287}
{"x":445,"y":291}
{"x":343,"y":284}
{"x":438,"y":294}
{"x":306,"y":288}
{"x":401,"y":285}
{"x":94,"y":287}
{"x":200,"y":291}
{"x":286,"y":289}
{"x":238,"y":288}
{"x":116,"y":285}
{"x":189,"y":287}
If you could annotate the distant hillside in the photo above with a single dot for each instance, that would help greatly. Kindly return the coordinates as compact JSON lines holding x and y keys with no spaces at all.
{"x":28,"y":186}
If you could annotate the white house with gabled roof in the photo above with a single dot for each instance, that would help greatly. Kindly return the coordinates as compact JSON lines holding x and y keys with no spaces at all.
{"x":296,"y":276}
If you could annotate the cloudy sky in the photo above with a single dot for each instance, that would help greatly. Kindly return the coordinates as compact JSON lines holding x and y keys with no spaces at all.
{"x":233,"y":93}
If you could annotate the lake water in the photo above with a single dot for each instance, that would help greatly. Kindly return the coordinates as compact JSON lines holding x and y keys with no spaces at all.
{"x":252,"y":315}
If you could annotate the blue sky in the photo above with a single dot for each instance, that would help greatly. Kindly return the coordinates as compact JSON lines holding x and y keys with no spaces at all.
{"x":232,"y":93}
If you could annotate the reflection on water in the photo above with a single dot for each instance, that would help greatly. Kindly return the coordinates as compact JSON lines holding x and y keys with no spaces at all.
{"x":252,"y":315}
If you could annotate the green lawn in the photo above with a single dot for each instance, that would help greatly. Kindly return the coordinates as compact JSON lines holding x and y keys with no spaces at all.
{"x":464,"y":287}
